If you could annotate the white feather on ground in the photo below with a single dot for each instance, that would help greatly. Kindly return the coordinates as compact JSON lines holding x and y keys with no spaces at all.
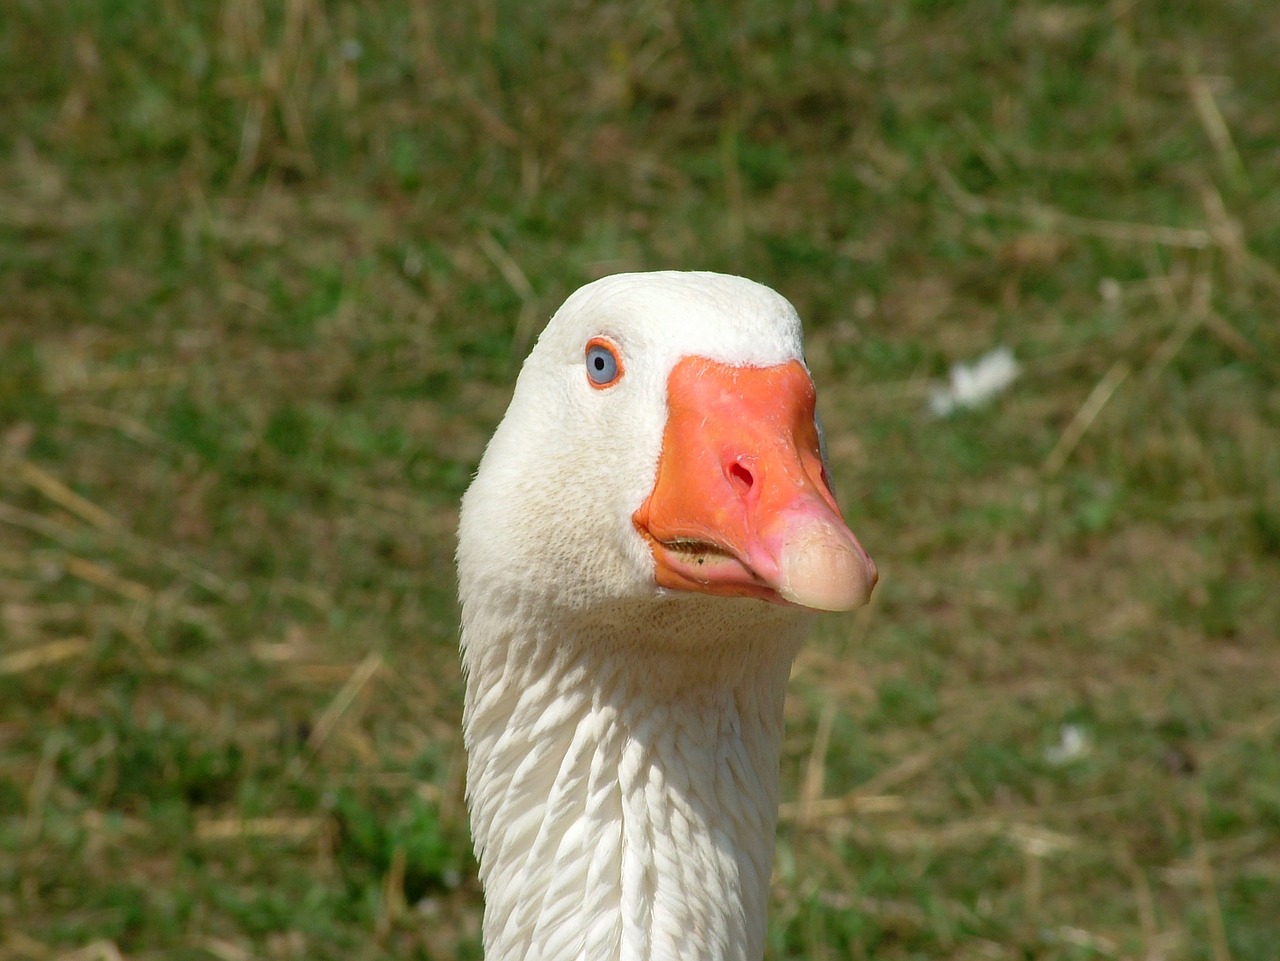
{"x":974,"y":385}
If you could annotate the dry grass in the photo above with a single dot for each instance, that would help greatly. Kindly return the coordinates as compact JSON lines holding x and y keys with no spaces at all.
{"x":268,"y":273}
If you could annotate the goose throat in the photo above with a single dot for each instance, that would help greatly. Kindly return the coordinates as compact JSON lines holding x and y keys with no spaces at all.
{"x":613,"y":823}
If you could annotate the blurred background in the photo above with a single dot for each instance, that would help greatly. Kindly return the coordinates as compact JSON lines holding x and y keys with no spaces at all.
{"x":268,"y":271}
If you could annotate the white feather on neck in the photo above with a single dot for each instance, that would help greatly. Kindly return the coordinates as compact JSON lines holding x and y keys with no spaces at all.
{"x":624,"y":790}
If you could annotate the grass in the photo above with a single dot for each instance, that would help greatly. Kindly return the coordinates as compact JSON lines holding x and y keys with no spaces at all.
{"x":268,"y":272}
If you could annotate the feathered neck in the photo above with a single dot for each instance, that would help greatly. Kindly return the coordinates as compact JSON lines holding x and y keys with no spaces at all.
{"x":623,"y":776}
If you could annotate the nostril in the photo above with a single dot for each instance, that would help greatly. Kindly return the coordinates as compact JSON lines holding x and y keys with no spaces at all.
{"x":740,"y":477}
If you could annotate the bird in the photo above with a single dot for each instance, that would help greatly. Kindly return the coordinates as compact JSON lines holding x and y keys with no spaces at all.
{"x":646,"y":541}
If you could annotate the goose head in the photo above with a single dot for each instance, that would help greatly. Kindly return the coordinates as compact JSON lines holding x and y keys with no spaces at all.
{"x":662,"y":440}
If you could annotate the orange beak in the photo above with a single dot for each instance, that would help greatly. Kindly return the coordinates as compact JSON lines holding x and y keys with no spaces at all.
{"x":741,"y":506}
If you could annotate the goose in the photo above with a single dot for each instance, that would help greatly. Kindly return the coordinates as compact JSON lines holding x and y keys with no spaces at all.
{"x":644,"y":544}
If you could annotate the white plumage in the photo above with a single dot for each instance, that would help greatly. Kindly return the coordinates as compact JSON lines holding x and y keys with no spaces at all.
{"x":624,"y":698}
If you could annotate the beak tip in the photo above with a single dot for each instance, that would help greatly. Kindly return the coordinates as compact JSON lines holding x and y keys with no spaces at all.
{"x":827,"y":570}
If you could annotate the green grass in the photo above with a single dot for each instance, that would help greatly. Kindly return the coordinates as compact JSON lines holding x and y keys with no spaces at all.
{"x":267,"y":275}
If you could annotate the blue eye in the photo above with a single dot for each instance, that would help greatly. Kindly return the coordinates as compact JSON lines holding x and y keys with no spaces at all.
{"x":604,"y":369}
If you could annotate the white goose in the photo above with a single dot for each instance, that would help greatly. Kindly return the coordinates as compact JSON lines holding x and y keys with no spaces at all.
{"x":639,"y":555}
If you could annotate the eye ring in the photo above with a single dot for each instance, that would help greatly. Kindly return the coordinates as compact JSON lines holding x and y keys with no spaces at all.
{"x":603,"y":361}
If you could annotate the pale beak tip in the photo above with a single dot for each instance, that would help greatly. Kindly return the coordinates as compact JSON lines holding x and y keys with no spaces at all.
{"x":826,"y":569}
